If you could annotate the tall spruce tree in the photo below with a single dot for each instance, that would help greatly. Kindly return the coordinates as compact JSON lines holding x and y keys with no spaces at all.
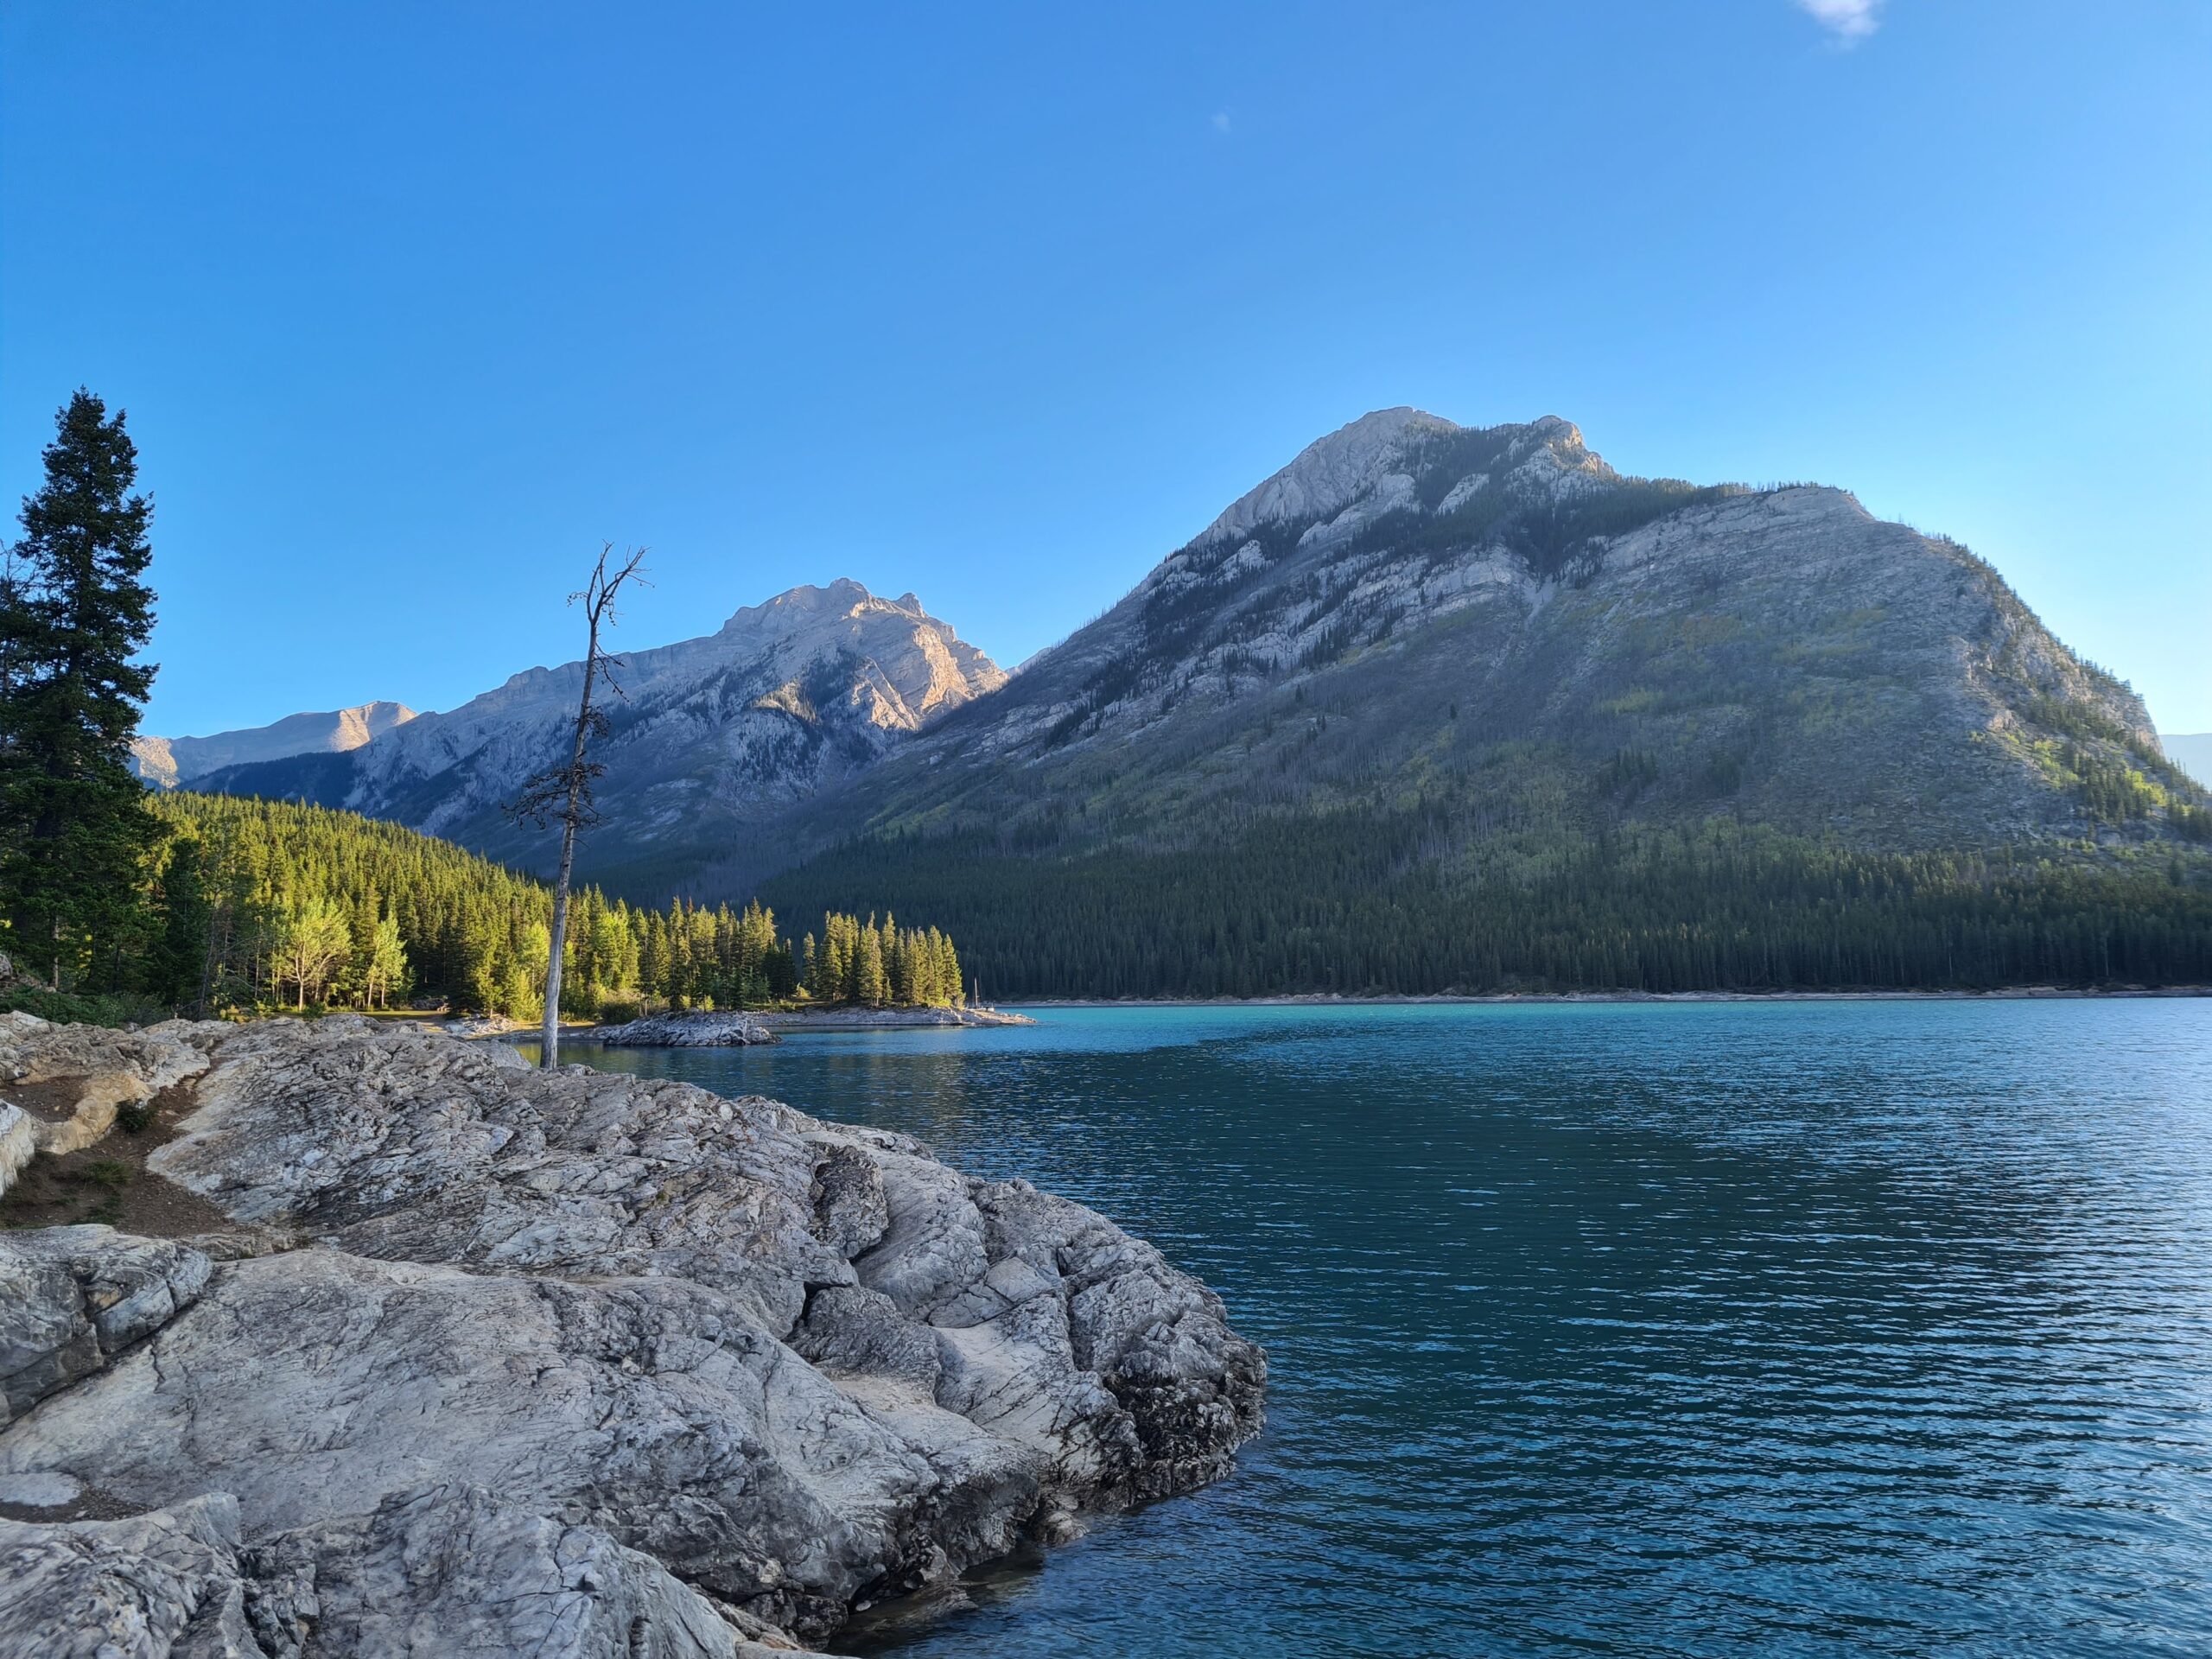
{"x":75,"y":829}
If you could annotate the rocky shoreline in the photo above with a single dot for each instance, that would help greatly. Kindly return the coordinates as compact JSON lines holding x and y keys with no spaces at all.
{"x":890,"y":1018}
{"x":474,"y":1358}
{"x":731,"y":1029}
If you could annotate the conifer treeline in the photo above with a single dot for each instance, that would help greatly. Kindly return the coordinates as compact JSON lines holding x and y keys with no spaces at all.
{"x":860,"y":961}
{"x":1359,"y":901}
{"x":258,"y":903}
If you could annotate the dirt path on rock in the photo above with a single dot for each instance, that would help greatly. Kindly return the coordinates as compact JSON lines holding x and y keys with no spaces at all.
{"x":108,"y":1181}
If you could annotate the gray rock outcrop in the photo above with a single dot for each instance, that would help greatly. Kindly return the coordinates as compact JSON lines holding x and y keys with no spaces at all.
{"x":454,"y":1570}
{"x":573,"y":1357}
{"x":164,"y":1583}
{"x":72,"y":1298}
{"x":18,"y":1142}
{"x":448,"y":1570}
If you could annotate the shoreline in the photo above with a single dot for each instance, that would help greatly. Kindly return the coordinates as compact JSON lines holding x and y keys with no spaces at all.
{"x":780,"y":1024}
{"x":977,"y":1019}
{"x":1336,"y":998}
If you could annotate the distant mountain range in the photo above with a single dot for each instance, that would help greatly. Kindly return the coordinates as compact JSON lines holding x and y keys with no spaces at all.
{"x":2191,"y":752}
{"x":712,"y":738}
{"x":173,"y":762}
{"x":1475,"y":645}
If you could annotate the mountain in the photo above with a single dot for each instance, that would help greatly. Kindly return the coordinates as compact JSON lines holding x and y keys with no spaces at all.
{"x":712,"y":737}
{"x":2191,"y":752}
{"x":1411,"y":602}
{"x":1424,"y":663}
{"x":1433,"y":707}
{"x":172,"y":762}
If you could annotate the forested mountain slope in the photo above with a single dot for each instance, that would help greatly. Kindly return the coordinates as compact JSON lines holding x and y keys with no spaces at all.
{"x":1410,"y":680}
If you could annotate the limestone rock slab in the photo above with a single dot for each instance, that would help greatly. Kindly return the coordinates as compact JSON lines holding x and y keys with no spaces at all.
{"x":72,"y":1298}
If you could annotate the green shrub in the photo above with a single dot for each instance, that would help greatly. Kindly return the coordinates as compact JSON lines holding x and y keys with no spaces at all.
{"x":68,"y":1007}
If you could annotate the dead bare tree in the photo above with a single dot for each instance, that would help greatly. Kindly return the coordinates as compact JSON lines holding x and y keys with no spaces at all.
{"x":562,"y":794}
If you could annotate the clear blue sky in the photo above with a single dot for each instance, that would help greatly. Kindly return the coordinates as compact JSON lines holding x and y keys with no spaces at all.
{"x":411,"y":306}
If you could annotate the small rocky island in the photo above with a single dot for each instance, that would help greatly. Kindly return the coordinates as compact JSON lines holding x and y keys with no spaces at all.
{"x":442,"y":1354}
{"x":732,"y":1029}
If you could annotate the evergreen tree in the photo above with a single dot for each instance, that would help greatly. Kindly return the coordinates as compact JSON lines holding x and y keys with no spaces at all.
{"x":177,"y":964}
{"x":871,"y":986}
{"x":652,"y":958}
{"x":387,"y":964}
{"x":74,"y":832}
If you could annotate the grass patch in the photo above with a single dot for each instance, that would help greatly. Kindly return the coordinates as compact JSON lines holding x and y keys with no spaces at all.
{"x":110,"y":1174}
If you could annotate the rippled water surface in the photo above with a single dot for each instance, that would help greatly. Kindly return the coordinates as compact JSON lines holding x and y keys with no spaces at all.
{"x":1814,"y":1327}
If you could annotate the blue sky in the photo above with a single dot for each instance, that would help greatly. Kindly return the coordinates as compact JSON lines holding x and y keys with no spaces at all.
{"x":412,"y":305}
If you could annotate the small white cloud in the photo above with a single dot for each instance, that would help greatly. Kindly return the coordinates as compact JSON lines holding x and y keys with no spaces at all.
{"x":1849,"y":21}
{"x":1220,"y":120}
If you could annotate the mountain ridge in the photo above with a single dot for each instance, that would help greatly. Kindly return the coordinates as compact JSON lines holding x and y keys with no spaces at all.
{"x":1487,"y":632}
{"x":707,"y":733}
{"x":170,"y":762}
{"x":1642,"y":624}
{"x":1442,"y":707}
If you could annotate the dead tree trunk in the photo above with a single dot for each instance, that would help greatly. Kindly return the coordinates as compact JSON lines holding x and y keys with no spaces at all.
{"x":564,"y":794}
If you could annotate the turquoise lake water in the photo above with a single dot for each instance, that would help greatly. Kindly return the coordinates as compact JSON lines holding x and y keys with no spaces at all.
{"x":1803,"y":1328}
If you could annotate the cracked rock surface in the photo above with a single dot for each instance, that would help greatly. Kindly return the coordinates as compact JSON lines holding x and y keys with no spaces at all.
{"x":575,"y":1363}
{"x":72,"y":1297}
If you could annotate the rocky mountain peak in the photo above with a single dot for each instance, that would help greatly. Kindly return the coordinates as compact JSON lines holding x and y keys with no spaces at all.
{"x":1495,"y":622}
{"x":839,"y":600}
{"x":1406,"y":459}
{"x":1328,"y":474}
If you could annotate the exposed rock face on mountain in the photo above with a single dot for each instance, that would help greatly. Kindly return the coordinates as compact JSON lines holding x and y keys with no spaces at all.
{"x":787,"y":698}
{"x":175,"y":762}
{"x":574,"y":1363}
{"x":1413,"y":605}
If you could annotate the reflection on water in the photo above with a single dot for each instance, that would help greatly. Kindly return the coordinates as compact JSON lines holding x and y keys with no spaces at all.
{"x":1822,"y":1328}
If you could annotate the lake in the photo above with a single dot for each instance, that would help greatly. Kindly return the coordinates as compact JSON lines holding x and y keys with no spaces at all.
{"x":1853,"y":1327}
